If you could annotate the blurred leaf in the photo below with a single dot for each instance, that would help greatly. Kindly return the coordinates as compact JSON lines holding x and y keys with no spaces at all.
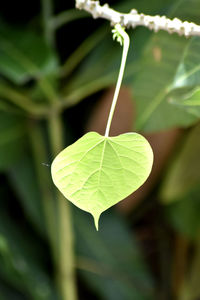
{"x":190,"y":99}
{"x":24,"y":181}
{"x":183,"y":174}
{"x":159,"y":64}
{"x":183,"y":215}
{"x":24,"y":55}
{"x":185,"y":87}
{"x":144,"y":6}
{"x":21,"y":259}
{"x":12,"y":133}
{"x":186,"y":98}
{"x":191,"y":287}
{"x":188,"y":72}
{"x":7,"y":292}
{"x":9,"y":108}
{"x":110,"y":260}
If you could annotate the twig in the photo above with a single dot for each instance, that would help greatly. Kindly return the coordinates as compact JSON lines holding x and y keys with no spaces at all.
{"x":134,"y":19}
{"x":65,"y":17}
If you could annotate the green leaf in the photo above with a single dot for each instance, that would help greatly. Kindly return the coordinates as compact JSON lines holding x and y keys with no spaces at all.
{"x":24,"y":182}
{"x":183,"y":174}
{"x":159,"y":64}
{"x":12,"y":133}
{"x":185,"y":87}
{"x":183,"y":214}
{"x":150,"y":92}
{"x":186,"y":98}
{"x":192,"y":99}
{"x":24,"y":55}
{"x":7,"y":292}
{"x":97,"y":172}
{"x":188,"y":72}
{"x":22,"y":255}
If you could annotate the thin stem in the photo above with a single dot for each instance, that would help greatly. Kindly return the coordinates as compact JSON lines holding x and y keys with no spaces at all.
{"x":179,"y":265}
{"x":191,"y":287}
{"x":78,"y":93}
{"x":74,"y":96}
{"x":56,"y":210}
{"x":65,"y":262}
{"x":39,"y":154}
{"x":22,"y":101}
{"x":126,"y":43}
{"x":6,"y":107}
{"x":75,"y":58}
{"x":67,"y":16}
{"x":47,"y":12}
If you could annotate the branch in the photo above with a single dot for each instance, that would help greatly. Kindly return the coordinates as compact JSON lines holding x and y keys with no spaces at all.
{"x":134,"y":19}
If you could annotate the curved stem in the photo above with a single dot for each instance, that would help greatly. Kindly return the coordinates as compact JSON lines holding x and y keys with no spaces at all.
{"x":77,"y":56}
{"x":22,"y":101}
{"x":122,"y":34}
{"x":65,"y":17}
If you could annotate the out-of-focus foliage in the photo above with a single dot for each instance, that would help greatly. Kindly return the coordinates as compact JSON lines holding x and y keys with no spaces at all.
{"x":24,"y":55}
{"x":160,"y":64}
{"x":51,"y":62}
{"x":111,"y":262}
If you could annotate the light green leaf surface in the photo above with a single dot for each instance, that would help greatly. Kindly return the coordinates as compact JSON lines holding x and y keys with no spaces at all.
{"x":192,"y":99}
{"x":97,"y":172}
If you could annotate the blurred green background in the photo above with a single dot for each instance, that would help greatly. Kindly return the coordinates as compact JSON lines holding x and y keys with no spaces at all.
{"x":58,"y":67}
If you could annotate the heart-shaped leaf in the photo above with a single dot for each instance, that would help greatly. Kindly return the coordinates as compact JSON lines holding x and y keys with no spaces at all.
{"x":97,"y":172}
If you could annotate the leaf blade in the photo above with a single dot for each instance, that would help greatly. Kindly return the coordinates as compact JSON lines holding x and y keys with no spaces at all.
{"x":97,"y":172}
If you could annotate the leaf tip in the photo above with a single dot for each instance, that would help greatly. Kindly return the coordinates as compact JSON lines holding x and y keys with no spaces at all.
{"x":96,"y":220}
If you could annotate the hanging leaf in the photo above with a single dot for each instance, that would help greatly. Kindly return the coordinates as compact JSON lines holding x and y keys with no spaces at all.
{"x":97,"y":172}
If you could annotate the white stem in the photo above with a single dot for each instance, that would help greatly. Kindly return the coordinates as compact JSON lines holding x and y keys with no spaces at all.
{"x":126,"y":43}
{"x":134,"y":19}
